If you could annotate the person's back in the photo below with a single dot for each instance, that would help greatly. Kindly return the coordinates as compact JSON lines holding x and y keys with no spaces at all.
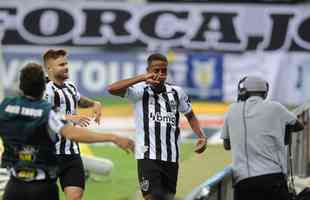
{"x":28,"y":128}
{"x":254,"y":129}
{"x":28,"y":147}
{"x":260,"y":137}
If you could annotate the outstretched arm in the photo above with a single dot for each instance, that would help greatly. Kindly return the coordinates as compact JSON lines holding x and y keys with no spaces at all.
{"x":81,"y":120}
{"x":85,"y":136}
{"x":96,"y":106}
{"x":58,"y":125}
{"x":202,"y":139}
{"x":85,"y":102}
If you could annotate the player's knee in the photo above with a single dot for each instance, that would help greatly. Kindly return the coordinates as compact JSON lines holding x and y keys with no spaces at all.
{"x":74,"y":196}
{"x":73,"y":193}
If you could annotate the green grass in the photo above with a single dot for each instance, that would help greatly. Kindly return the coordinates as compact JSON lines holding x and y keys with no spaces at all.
{"x":122,"y":183}
{"x":110,"y":100}
{"x":199,"y":167}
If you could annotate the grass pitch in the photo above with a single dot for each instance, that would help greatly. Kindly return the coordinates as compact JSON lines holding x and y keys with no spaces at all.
{"x":122,"y":183}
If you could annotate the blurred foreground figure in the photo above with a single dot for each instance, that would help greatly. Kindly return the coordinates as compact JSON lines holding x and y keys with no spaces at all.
{"x":254,"y":129}
{"x":29,"y":129}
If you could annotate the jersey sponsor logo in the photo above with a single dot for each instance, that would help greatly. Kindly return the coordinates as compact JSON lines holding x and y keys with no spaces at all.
{"x":169,"y":118}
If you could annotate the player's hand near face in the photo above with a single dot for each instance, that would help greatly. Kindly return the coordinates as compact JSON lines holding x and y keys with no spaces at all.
{"x":154,"y":78}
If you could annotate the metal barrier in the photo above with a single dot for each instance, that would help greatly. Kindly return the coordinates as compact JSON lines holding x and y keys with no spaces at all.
{"x":219,"y":187}
{"x":301,"y":143}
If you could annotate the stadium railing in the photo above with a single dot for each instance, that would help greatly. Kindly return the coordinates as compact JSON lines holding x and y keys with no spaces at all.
{"x":219,"y":186}
{"x":301,"y":144}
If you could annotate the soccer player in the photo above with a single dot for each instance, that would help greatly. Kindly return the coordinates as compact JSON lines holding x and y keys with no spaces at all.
{"x":157,"y":107}
{"x":65,"y":97}
{"x":29,"y":129}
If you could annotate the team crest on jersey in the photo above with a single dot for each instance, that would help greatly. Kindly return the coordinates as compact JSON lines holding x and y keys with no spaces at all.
{"x":151,"y":101}
{"x":144,"y":185}
{"x":28,"y":153}
{"x":173,"y":105}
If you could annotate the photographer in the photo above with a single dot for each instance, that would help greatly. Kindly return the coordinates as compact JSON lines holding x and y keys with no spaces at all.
{"x":254,"y":129}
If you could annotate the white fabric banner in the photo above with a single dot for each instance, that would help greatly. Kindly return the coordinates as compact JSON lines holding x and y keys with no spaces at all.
{"x":288,"y":74}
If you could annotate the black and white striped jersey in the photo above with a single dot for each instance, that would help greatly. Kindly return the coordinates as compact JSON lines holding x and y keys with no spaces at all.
{"x":65,"y":100}
{"x":157,"y":121}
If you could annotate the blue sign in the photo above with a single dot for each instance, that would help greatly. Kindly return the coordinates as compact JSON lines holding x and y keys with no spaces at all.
{"x":200,"y":75}
{"x":205,"y":75}
{"x":91,"y":72}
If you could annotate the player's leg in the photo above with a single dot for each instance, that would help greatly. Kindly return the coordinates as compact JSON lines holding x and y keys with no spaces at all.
{"x":149,"y":175}
{"x":73,"y":193}
{"x":46,"y":189}
{"x":170,"y":178}
{"x":10,"y":190}
{"x":31,"y":190}
{"x":72,"y":178}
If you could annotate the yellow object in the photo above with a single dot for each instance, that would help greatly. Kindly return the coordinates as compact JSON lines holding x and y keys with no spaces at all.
{"x":126,"y":110}
{"x":1,"y":147}
{"x":85,"y":150}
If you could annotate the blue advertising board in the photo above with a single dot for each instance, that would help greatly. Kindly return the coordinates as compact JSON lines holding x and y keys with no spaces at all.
{"x":205,"y":75}
{"x":91,"y":72}
{"x":199,"y":74}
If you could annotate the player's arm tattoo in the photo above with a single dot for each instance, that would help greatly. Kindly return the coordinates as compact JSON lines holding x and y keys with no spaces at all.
{"x":85,"y":102}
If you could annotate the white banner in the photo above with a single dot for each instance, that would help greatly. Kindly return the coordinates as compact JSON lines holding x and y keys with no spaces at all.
{"x":216,"y":27}
{"x":288,"y":74}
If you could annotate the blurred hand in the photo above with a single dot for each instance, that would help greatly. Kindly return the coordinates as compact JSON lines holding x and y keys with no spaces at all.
{"x":152,"y":78}
{"x":81,"y":120}
{"x":97,"y":111}
{"x":201,"y":145}
{"x":126,"y":144}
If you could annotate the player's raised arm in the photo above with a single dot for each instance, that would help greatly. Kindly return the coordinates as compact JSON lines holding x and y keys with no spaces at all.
{"x":119,"y":88}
